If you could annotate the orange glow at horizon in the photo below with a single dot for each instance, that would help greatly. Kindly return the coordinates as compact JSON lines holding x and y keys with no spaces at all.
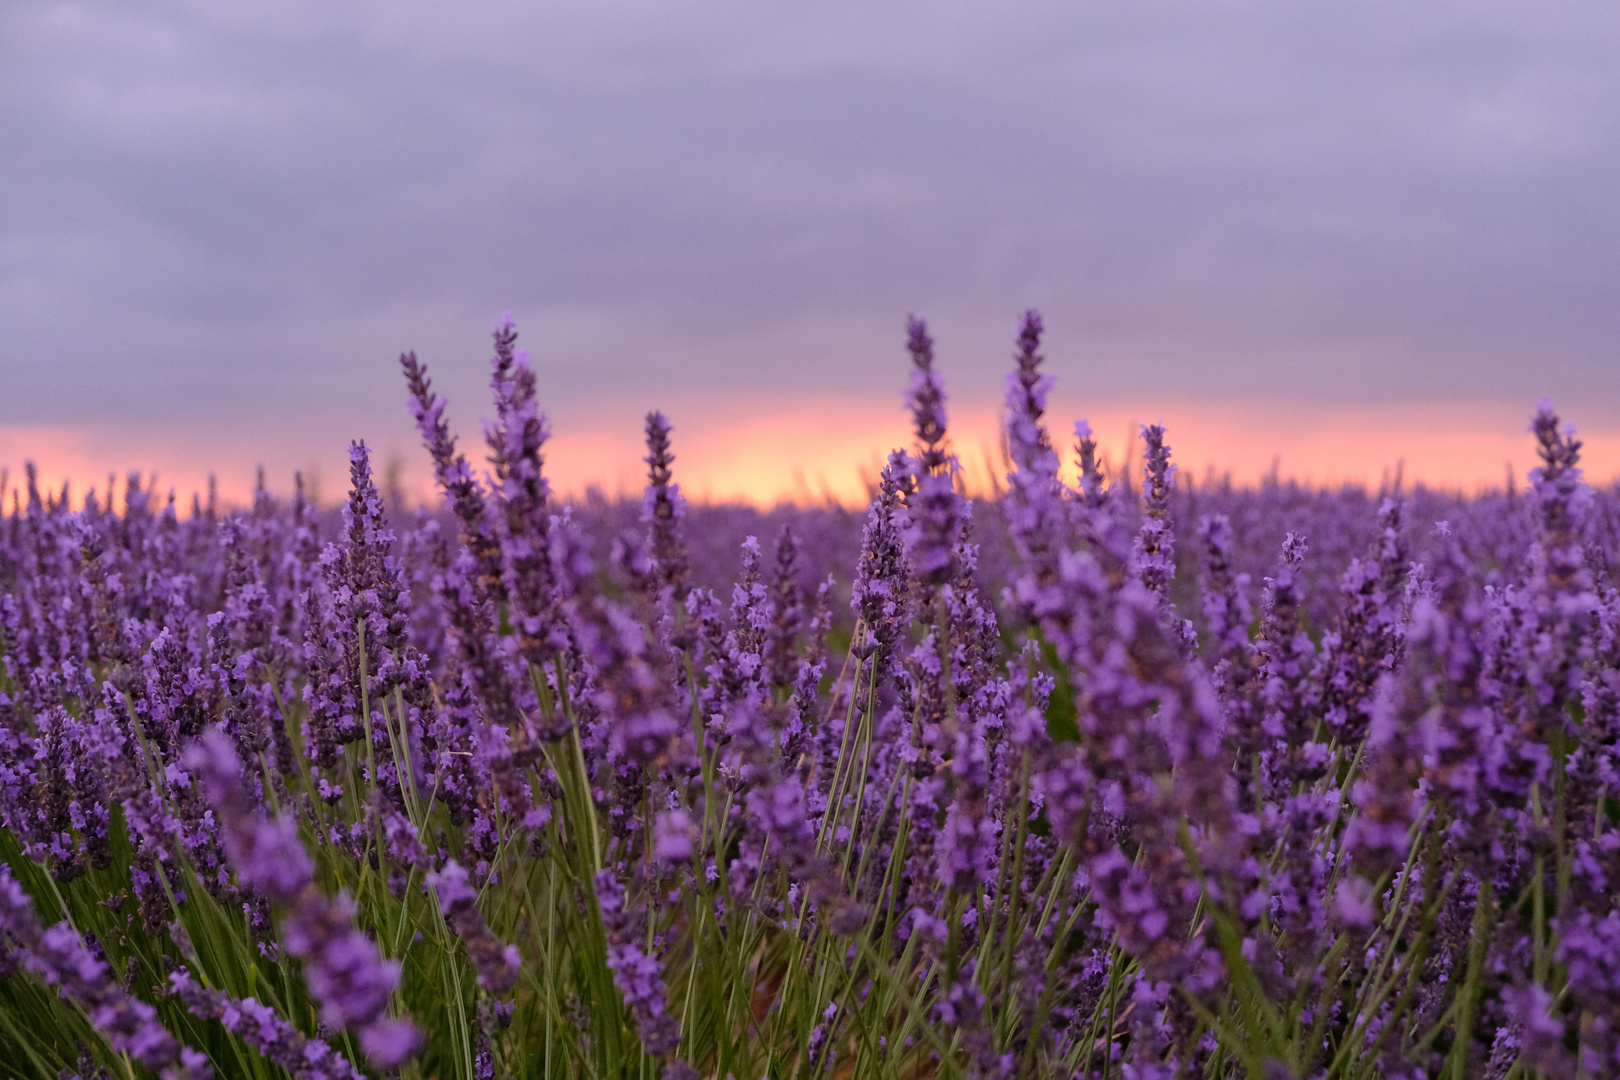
{"x":831,"y":448}
{"x":825,"y":449}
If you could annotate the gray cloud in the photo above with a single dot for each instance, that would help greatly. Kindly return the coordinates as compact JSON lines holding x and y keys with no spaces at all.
{"x":235,"y":215}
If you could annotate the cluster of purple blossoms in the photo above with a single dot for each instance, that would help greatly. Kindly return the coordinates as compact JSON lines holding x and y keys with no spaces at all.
{"x":1019,"y":786}
{"x":497,"y":965}
{"x":344,"y":971}
{"x":265,"y":1030}
{"x":60,"y":956}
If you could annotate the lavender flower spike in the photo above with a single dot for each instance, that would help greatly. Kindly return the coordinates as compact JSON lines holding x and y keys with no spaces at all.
{"x":926,"y":397}
{"x":517,"y":443}
{"x":936,"y":516}
{"x":663,"y":508}
{"x":638,"y":976}
{"x":1154,"y":558}
{"x":59,"y":956}
{"x":497,"y":964}
{"x":1092,"y":492}
{"x":262,"y":1028}
{"x":342,"y":966}
{"x":455,"y":477}
{"x":1037,"y":517}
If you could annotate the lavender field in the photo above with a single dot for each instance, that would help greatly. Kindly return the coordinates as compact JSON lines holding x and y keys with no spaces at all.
{"x":1132,"y":778}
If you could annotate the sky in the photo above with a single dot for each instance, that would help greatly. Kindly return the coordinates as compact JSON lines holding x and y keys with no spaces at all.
{"x":1336,"y":238}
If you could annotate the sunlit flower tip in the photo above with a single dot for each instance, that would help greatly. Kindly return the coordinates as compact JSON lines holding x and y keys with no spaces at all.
{"x":507,"y":321}
{"x":1082,"y":429}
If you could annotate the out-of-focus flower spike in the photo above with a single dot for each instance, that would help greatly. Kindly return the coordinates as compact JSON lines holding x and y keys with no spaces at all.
{"x":936,"y":514}
{"x":1037,"y":518}
{"x":926,"y":398}
{"x":1232,"y":660}
{"x":1290,"y":696}
{"x":1589,"y":949}
{"x":1093,"y":484}
{"x":787,"y":611}
{"x":1367,"y":641}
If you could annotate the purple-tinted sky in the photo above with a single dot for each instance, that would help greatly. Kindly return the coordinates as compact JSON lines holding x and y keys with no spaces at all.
{"x":222,"y":221}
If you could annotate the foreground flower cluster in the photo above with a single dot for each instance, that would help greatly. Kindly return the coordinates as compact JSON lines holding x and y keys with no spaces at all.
{"x":1082,"y":781}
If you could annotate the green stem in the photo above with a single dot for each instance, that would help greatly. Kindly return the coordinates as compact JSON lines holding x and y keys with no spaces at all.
{"x":1469,"y":995}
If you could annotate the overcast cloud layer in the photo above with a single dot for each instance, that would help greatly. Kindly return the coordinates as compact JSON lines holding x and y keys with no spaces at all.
{"x":233,"y":216}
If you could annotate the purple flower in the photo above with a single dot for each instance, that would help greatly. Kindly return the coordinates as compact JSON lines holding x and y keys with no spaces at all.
{"x":1368,"y":637}
{"x":262,"y":1028}
{"x":1233,"y":661}
{"x":1540,"y":1037}
{"x":1385,"y":798}
{"x":455,"y":477}
{"x":59,"y":956}
{"x":517,"y":441}
{"x":934,"y":506}
{"x":663,"y":508}
{"x":342,"y":966}
{"x":880,"y":595}
{"x":1092,"y":493}
{"x":1154,"y":557}
{"x":1036,"y":516}
{"x":1145,"y":716}
{"x":638,"y":976}
{"x":1289,"y":695}
{"x":787,"y":611}
{"x":1589,"y":947}
{"x":497,"y":964}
